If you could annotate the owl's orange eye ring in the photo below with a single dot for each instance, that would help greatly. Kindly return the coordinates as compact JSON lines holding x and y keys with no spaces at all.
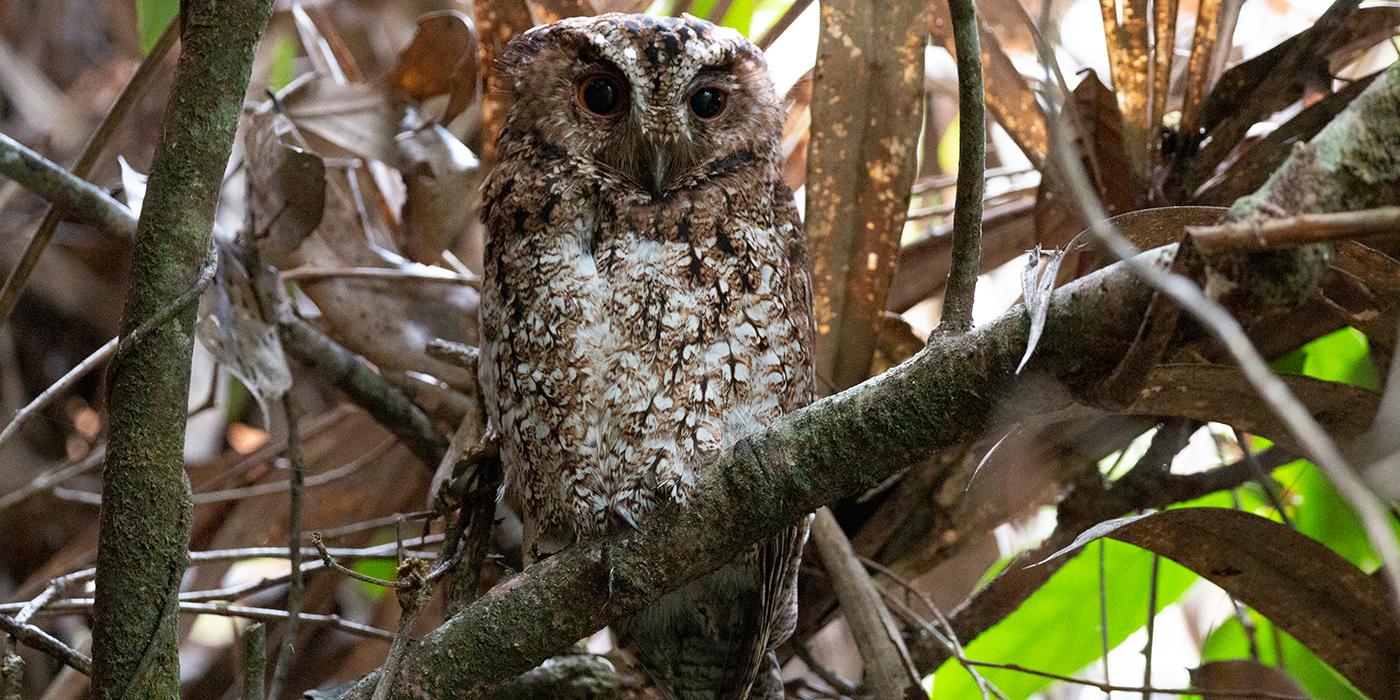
{"x":601,"y":94}
{"x":708,"y":102}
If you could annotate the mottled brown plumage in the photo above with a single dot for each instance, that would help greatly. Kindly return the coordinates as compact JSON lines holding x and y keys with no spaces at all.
{"x":646,"y":303}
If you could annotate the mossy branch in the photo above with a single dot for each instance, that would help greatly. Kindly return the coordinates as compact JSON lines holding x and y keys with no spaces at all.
{"x":146,"y":509}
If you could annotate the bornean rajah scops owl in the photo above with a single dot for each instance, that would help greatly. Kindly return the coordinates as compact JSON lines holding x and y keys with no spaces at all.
{"x":646,"y":302}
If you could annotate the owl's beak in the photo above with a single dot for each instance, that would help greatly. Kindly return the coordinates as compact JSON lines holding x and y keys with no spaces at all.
{"x":660,"y":167}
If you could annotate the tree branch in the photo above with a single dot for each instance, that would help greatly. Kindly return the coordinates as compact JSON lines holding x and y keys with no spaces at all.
{"x":146,"y":508}
{"x":972,"y":161}
{"x":76,"y":198}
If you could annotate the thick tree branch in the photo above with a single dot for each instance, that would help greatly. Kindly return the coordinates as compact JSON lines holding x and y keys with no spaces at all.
{"x":146,"y":508}
{"x":951,"y":392}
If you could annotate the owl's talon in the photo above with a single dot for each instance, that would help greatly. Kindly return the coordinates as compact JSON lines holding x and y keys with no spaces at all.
{"x":624,"y":516}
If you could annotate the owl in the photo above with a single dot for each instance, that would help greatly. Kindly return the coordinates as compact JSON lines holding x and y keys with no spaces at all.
{"x":646,"y":302}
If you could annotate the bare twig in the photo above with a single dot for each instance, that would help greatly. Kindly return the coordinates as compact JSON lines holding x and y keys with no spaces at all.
{"x":111,"y":349}
{"x":330,"y":561}
{"x":1151,"y":628}
{"x":375,"y":523}
{"x":1109,"y":687}
{"x":319,"y":479}
{"x":83,"y":605}
{"x":135,"y":88}
{"x":313,"y":274}
{"x":1261,"y":477}
{"x":52,"y":477}
{"x":74,"y":196}
{"x":972,"y":161}
{"x":837,"y":683}
{"x":298,"y":583}
{"x":349,"y":372}
{"x":794,"y":11}
{"x":1299,"y":229}
{"x":888,"y":671}
{"x":35,"y":638}
{"x":945,"y":633}
{"x":64,"y":383}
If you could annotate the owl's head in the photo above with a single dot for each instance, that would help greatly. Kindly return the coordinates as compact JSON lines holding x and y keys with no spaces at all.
{"x":657,"y":103}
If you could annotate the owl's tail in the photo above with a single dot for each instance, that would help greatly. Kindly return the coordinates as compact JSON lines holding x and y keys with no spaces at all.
{"x":714,"y":638}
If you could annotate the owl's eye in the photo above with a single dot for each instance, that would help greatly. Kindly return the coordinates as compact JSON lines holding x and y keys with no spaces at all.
{"x":708,"y":102}
{"x":602,"y":95}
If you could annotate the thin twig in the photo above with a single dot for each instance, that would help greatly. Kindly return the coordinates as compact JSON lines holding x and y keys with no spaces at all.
{"x":77,"y":605}
{"x":830,"y":677}
{"x":64,"y":383}
{"x":314,"y":274}
{"x":298,"y":583}
{"x":53,"y":477}
{"x":948,"y":637}
{"x":972,"y":161}
{"x":1262,"y":478}
{"x":771,"y":35}
{"x":1151,"y":628}
{"x":319,"y":479}
{"x":111,"y":349}
{"x":74,"y":196}
{"x":375,"y":523}
{"x":1109,"y":687}
{"x":330,"y":561}
{"x":35,"y":638}
{"x":87,"y":159}
{"x":1299,"y":229}
{"x":888,"y":671}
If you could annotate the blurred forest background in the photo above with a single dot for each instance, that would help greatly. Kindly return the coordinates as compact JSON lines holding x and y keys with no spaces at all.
{"x":353,"y":182}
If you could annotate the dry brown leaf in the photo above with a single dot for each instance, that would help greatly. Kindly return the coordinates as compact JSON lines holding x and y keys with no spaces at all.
{"x":387,"y":321}
{"x":1220,"y":393}
{"x":860,"y":166}
{"x":497,"y":23}
{"x":442,"y":176}
{"x":288,"y":189}
{"x":357,"y":120}
{"x":440,"y":61}
{"x":232,"y":328}
{"x":1009,"y":96}
{"x":1227,"y":679}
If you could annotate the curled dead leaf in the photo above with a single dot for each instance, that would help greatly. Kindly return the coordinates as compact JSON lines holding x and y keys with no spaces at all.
{"x":441,"y":60}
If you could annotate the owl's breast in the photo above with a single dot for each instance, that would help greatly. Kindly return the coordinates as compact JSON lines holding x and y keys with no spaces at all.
{"x":631,"y":346}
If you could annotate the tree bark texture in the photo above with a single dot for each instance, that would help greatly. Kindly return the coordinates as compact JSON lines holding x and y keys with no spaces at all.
{"x":146,"y":507}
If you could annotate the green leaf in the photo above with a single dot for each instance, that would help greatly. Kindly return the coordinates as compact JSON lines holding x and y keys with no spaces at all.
{"x":1057,"y":629}
{"x":379,"y":568}
{"x":1341,"y":356}
{"x":1325,"y":516}
{"x":152,"y":17}
{"x":283,"y":63}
